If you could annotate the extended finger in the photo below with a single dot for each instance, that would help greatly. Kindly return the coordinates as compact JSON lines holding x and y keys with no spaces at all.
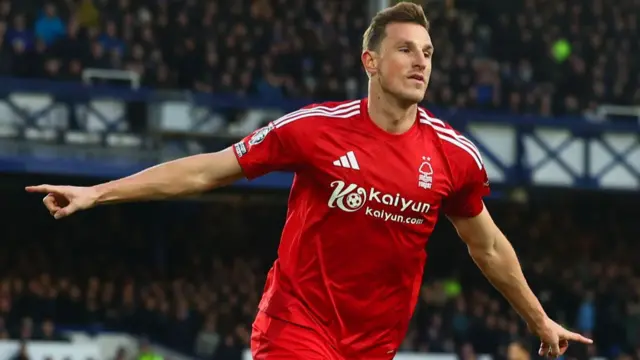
{"x":41,"y":189}
{"x":578,"y":338}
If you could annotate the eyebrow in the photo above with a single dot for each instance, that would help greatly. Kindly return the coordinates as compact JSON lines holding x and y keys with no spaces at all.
{"x":428,"y":47}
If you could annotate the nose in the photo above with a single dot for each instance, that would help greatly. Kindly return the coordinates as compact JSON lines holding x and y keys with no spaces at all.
{"x":420,"y":62}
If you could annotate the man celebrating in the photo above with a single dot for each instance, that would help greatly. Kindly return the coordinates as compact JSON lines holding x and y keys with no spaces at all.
{"x":371,"y":177}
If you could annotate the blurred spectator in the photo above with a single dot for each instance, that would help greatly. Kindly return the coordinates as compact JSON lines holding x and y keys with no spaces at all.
{"x":18,"y":35}
{"x":208,"y":340}
{"x":109,"y":39}
{"x":146,"y":353}
{"x":632,"y":322}
{"x":49,"y":333}
{"x":121,"y":354}
{"x":587,"y":314}
{"x":49,"y":26}
{"x":22,"y":352}
{"x":87,"y":15}
{"x":6,"y":61}
{"x":230,"y":348}
{"x":518,"y":351}
{"x":74,"y":45}
{"x":26,"y":331}
{"x":468,"y":353}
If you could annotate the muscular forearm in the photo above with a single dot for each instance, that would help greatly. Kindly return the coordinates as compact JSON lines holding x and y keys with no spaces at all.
{"x":501,"y":267}
{"x":176,"y":178}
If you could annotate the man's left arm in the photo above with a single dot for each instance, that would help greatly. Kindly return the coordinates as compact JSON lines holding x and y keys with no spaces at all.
{"x":487,"y":245}
{"x":491,"y":250}
{"x":497,"y":260}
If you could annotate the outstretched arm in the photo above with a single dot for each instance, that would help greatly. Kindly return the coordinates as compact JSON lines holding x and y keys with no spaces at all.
{"x":189,"y":175}
{"x":255,"y":155}
{"x":186,"y":176}
{"x":497,"y":259}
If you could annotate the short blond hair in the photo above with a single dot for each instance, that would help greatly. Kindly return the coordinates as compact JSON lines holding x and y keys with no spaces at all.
{"x":403,"y":12}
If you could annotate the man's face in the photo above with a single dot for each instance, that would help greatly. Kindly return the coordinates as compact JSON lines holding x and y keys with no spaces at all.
{"x":402,"y":64}
{"x":50,"y":11}
{"x":48,"y":328}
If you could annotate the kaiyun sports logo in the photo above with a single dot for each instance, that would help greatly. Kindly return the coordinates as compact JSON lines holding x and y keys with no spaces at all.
{"x":351,"y":198}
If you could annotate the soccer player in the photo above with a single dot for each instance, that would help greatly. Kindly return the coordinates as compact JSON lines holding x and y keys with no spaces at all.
{"x":371,"y":177}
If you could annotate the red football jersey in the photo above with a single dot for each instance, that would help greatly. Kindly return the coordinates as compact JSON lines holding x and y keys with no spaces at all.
{"x":362,"y":205}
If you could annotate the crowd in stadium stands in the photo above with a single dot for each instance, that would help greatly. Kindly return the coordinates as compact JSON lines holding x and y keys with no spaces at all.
{"x":190,"y":276}
{"x":527,"y":56}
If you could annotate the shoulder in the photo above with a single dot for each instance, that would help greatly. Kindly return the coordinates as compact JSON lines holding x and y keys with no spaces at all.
{"x":332,"y":110}
{"x":300,"y":125}
{"x":457,"y":148}
{"x":316,"y":115}
{"x":335,"y":105}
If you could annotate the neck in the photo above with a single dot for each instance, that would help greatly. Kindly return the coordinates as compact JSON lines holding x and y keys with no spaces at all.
{"x":391,"y":114}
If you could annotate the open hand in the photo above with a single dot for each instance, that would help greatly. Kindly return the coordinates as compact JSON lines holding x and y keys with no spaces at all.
{"x":554,"y":339}
{"x":62,"y":201}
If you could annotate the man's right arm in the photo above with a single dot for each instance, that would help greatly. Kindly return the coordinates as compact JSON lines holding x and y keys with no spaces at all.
{"x":275,"y":147}
{"x":282,"y":145}
{"x":186,"y":176}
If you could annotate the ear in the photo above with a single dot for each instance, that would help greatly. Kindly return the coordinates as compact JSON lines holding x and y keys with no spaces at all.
{"x":370,"y":62}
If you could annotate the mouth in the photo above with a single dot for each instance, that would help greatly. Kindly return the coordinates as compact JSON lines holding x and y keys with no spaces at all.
{"x":417,"y":77}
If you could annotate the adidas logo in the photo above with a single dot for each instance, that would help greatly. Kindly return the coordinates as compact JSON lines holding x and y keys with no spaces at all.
{"x":347,"y":161}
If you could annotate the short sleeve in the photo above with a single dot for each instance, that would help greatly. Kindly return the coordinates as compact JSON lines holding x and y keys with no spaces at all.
{"x":473,"y":186}
{"x":271,"y":148}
